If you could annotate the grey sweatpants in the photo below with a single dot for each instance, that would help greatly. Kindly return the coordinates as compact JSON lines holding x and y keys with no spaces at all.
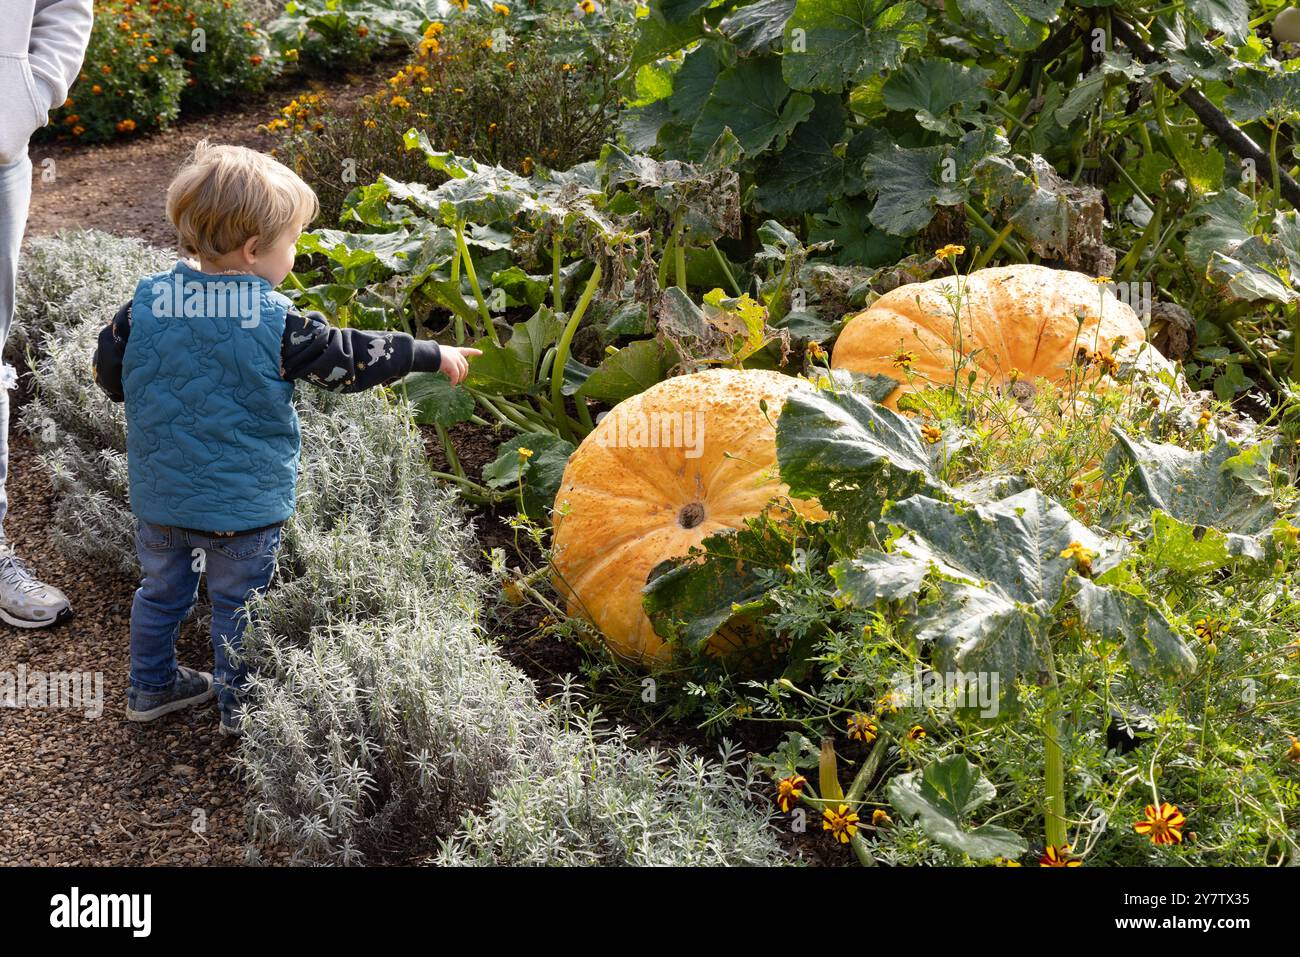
{"x":15,"y":199}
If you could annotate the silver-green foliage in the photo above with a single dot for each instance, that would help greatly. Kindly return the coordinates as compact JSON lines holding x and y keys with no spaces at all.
{"x":381,"y":718}
{"x":68,"y":287}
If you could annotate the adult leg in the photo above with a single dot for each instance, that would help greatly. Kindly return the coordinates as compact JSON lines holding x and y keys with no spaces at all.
{"x":24,"y":600}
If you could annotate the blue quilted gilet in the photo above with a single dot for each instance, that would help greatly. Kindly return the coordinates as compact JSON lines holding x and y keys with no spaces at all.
{"x":212,"y":435}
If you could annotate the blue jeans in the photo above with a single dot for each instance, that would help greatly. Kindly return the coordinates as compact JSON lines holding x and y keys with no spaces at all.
{"x":172,"y":561}
{"x":15,"y":198}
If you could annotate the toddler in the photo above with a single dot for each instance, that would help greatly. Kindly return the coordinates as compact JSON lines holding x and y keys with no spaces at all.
{"x":205,"y":357}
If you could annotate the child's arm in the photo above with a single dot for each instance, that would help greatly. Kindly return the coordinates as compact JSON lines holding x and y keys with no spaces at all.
{"x":351,"y":360}
{"x":106,"y":365}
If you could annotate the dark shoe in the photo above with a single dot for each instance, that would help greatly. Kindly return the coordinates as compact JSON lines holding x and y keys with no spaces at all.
{"x":232,"y":722}
{"x":189,"y":688}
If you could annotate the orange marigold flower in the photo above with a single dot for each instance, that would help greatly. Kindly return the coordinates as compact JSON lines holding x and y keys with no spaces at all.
{"x":788,"y":792}
{"x":879,"y":818}
{"x":1293,"y":753}
{"x":862,"y":728}
{"x":917,"y":733}
{"x":126,"y":126}
{"x":903,"y":359}
{"x":1164,"y":825}
{"x":841,"y":821}
{"x":931,"y":434}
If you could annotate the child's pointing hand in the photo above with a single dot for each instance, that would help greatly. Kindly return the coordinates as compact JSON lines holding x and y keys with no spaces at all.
{"x":455,"y":362}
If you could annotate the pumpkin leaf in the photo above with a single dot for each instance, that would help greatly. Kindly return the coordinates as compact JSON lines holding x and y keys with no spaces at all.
{"x":851,"y":453}
{"x":1229,"y":17}
{"x":1228,"y":218}
{"x":815,"y":168}
{"x":434,"y":400}
{"x":1227,"y":488}
{"x":1056,"y":217}
{"x":629,"y":371}
{"x":539,"y":474}
{"x":1143,"y":632}
{"x":830,"y":44}
{"x":757,"y":26}
{"x":690,"y":599}
{"x":1023,"y":23}
{"x":752,"y":100}
{"x":910,"y":183}
{"x":942,"y":797}
{"x":998,"y":572}
{"x":943,"y":95}
{"x":1263,"y":94}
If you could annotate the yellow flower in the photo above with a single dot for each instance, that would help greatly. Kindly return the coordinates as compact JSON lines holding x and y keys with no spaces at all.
{"x":879,"y":818}
{"x":525,"y":454}
{"x":1004,"y":862}
{"x":952,"y":249}
{"x":526,"y":167}
{"x":903,"y":359}
{"x":1293,"y":753}
{"x":1205,"y":419}
{"x":429,"y":45}
{"x":788,"y":792}
{"x":862,"y":728}
{"x":291,"y":54}
{"x":1076,"y":489}
{"x":401,"y":102}
{"x":841,"y":822}
{"x":501,"y":8}
{"x":815,"y":352}
{"x":931,"y":434}
{"x":916,"y":734}
{"x":486,"y":44}
{"x":1058,"y":857}
{"x":1164,"y":825}
{"x":462,"y":4}
{"x":566,"y":67}
{"x":1081,"y":556}
{"x":433,"y":29}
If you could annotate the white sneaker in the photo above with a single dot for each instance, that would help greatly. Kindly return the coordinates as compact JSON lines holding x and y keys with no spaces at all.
{"x":25,"y":601}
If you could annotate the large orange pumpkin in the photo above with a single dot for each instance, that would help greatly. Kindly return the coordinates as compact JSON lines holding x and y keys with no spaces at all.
{"x":688,"y":457}
{"x":1017,"y":324}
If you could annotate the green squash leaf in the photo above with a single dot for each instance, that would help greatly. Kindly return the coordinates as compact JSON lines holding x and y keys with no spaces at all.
{"x":830,"y":44}
{"x":942,"y":797}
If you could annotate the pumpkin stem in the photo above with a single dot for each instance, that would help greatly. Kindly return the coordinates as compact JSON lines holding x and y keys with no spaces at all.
{"x":691,"y":515}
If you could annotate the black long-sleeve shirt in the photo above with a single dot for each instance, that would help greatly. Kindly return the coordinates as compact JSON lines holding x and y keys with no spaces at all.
{"x":340,"y":360}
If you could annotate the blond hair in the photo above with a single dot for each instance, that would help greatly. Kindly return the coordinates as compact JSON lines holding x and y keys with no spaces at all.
{"x":225,"y":195}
